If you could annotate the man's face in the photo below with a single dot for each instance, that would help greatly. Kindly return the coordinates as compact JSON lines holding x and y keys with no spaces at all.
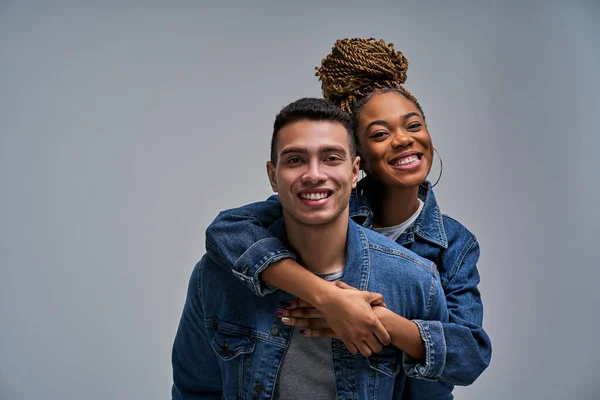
{"x":315,"y":172}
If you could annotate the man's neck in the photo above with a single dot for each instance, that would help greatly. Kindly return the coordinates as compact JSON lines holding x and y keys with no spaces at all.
{"x":396,"y":206}
{"x":322,"y":248}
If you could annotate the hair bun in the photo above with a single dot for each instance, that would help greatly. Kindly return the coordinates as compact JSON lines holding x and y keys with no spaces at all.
{"x":357,"y":64}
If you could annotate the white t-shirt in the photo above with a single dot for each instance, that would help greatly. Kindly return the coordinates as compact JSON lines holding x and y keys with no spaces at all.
{"x":394,"y":232}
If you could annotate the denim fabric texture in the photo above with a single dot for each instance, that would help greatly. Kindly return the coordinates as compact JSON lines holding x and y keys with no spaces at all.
{"x":229,"y":343}
{"x":238,"y":240}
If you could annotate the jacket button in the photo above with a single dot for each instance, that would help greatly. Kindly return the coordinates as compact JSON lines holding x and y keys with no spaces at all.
{"x":275,"y":331}
{"x":258,"y":388}
{"x":225,"y":348}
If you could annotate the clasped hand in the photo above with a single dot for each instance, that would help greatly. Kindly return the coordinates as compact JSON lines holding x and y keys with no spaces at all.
{"x":347,"y":314}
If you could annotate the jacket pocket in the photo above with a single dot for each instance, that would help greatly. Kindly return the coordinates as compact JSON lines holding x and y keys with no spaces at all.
{"x":388,"y":362}
{"x":234,"y":349}
{"x":229,"y":346}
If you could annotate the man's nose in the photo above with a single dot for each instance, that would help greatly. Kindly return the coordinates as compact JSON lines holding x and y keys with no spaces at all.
{"x":314,"y":174}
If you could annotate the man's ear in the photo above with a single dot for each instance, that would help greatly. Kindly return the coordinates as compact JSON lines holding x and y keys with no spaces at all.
{"x":355,"y":170}
{"x":272,"y":177}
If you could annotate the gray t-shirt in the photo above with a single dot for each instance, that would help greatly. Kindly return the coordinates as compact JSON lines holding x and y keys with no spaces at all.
{"x":306,"y":371}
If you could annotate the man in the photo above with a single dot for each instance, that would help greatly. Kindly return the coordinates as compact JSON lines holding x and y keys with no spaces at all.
{"x":231,"y":344}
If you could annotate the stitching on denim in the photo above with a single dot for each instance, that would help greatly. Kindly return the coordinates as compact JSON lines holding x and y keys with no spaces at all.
{"x":366,"y":260}
{"x":217,"y":325}
{"x":429,"y":267}
{"x":432,"y":291}
{"x":458,"y":266}
{"x":424,"y":330}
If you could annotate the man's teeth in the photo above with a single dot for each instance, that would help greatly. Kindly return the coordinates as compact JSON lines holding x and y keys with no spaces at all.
{"x":313,"y":196}
{"x":406,"y":160}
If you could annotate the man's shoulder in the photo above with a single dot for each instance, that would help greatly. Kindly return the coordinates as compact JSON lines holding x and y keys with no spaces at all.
{"x":211,"y":275}
{"x":393,"y":253}
{"x":213,"y":280}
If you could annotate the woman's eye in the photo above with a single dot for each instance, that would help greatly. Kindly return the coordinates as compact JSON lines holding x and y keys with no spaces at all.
{"x":414,"y":125}
{"x":378,"y":135}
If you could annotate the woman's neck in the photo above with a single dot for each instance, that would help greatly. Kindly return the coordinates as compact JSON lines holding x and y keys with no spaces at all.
{"x":396,"y":205}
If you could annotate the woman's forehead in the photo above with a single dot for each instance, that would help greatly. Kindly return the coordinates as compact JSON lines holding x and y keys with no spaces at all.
{"x":384,"y":106}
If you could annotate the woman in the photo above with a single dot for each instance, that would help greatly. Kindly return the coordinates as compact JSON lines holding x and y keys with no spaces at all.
{"x":365,"y":78}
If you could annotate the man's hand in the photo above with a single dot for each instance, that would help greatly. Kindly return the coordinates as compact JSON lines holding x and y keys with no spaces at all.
{"x":344,"y":313}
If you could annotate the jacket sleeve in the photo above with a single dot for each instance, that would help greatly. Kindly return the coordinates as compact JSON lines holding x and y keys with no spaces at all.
{"x":196,"y":372}
{"x":432,"y":334}
{"x":239,"y":240}
{"x":464,"y":347}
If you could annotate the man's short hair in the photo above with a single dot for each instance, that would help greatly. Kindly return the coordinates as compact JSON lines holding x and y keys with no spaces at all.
{"x":311,"y":109}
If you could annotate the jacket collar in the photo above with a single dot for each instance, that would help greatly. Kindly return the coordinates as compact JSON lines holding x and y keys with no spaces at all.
{"x":429,"y":225}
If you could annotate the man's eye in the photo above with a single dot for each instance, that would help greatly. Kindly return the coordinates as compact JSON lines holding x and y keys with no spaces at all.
{"x":294,"y":160}
{"x":333,"y":159}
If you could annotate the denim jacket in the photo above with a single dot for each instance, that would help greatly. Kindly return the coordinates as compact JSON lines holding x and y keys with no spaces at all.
{"x":465,"y":346}
{"x":230,"y":345}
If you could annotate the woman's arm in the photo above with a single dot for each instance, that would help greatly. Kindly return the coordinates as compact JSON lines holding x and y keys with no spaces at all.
{"x":239,"y":240}
{"x":404,"y":333}
{"x":456,"y":350}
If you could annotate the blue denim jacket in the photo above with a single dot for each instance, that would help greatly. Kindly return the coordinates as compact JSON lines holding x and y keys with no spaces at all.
{"x":230,"y":345}
{"x":455,"y":251}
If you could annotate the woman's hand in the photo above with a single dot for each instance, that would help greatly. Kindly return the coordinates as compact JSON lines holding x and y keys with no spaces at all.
{"x":345,"y":314}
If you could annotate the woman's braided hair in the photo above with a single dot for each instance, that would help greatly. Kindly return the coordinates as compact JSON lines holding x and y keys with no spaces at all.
{"x":357,"y":68}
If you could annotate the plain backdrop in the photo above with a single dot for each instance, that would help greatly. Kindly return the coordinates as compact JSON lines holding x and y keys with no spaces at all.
{"x":126,"y":126}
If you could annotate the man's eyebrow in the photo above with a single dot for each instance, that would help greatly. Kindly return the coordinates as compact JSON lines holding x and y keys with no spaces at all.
{"x":323,"y":149}
{"x":289,"y":150}
{"x":332,"y":149}
{"x":385,"y":123}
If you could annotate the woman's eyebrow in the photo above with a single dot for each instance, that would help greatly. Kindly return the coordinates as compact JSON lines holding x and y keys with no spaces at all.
{"x":385,"y":123}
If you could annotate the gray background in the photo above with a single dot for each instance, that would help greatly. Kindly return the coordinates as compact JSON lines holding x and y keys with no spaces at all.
{"x":125,"y":128}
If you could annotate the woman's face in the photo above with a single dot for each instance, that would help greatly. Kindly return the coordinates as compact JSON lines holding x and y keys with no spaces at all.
{"x":394,"y":142}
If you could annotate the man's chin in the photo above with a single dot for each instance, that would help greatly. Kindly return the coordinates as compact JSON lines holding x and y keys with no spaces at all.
{"x":315,"y":219}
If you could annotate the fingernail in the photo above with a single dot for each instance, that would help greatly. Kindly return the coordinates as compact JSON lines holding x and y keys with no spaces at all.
{"x":279,"y":313}
{"x":302,"y":332}
{"x":288,"y":305}
{"x":286,"y":319}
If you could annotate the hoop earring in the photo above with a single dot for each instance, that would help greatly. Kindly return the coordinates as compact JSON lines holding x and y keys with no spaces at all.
{"x":441,"y":171}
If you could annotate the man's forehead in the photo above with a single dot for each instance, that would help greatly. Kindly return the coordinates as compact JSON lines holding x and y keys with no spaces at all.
{"x":313,"y":136}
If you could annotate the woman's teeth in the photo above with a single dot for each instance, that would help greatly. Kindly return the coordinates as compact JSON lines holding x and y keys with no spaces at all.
{"x":407,"y":160}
